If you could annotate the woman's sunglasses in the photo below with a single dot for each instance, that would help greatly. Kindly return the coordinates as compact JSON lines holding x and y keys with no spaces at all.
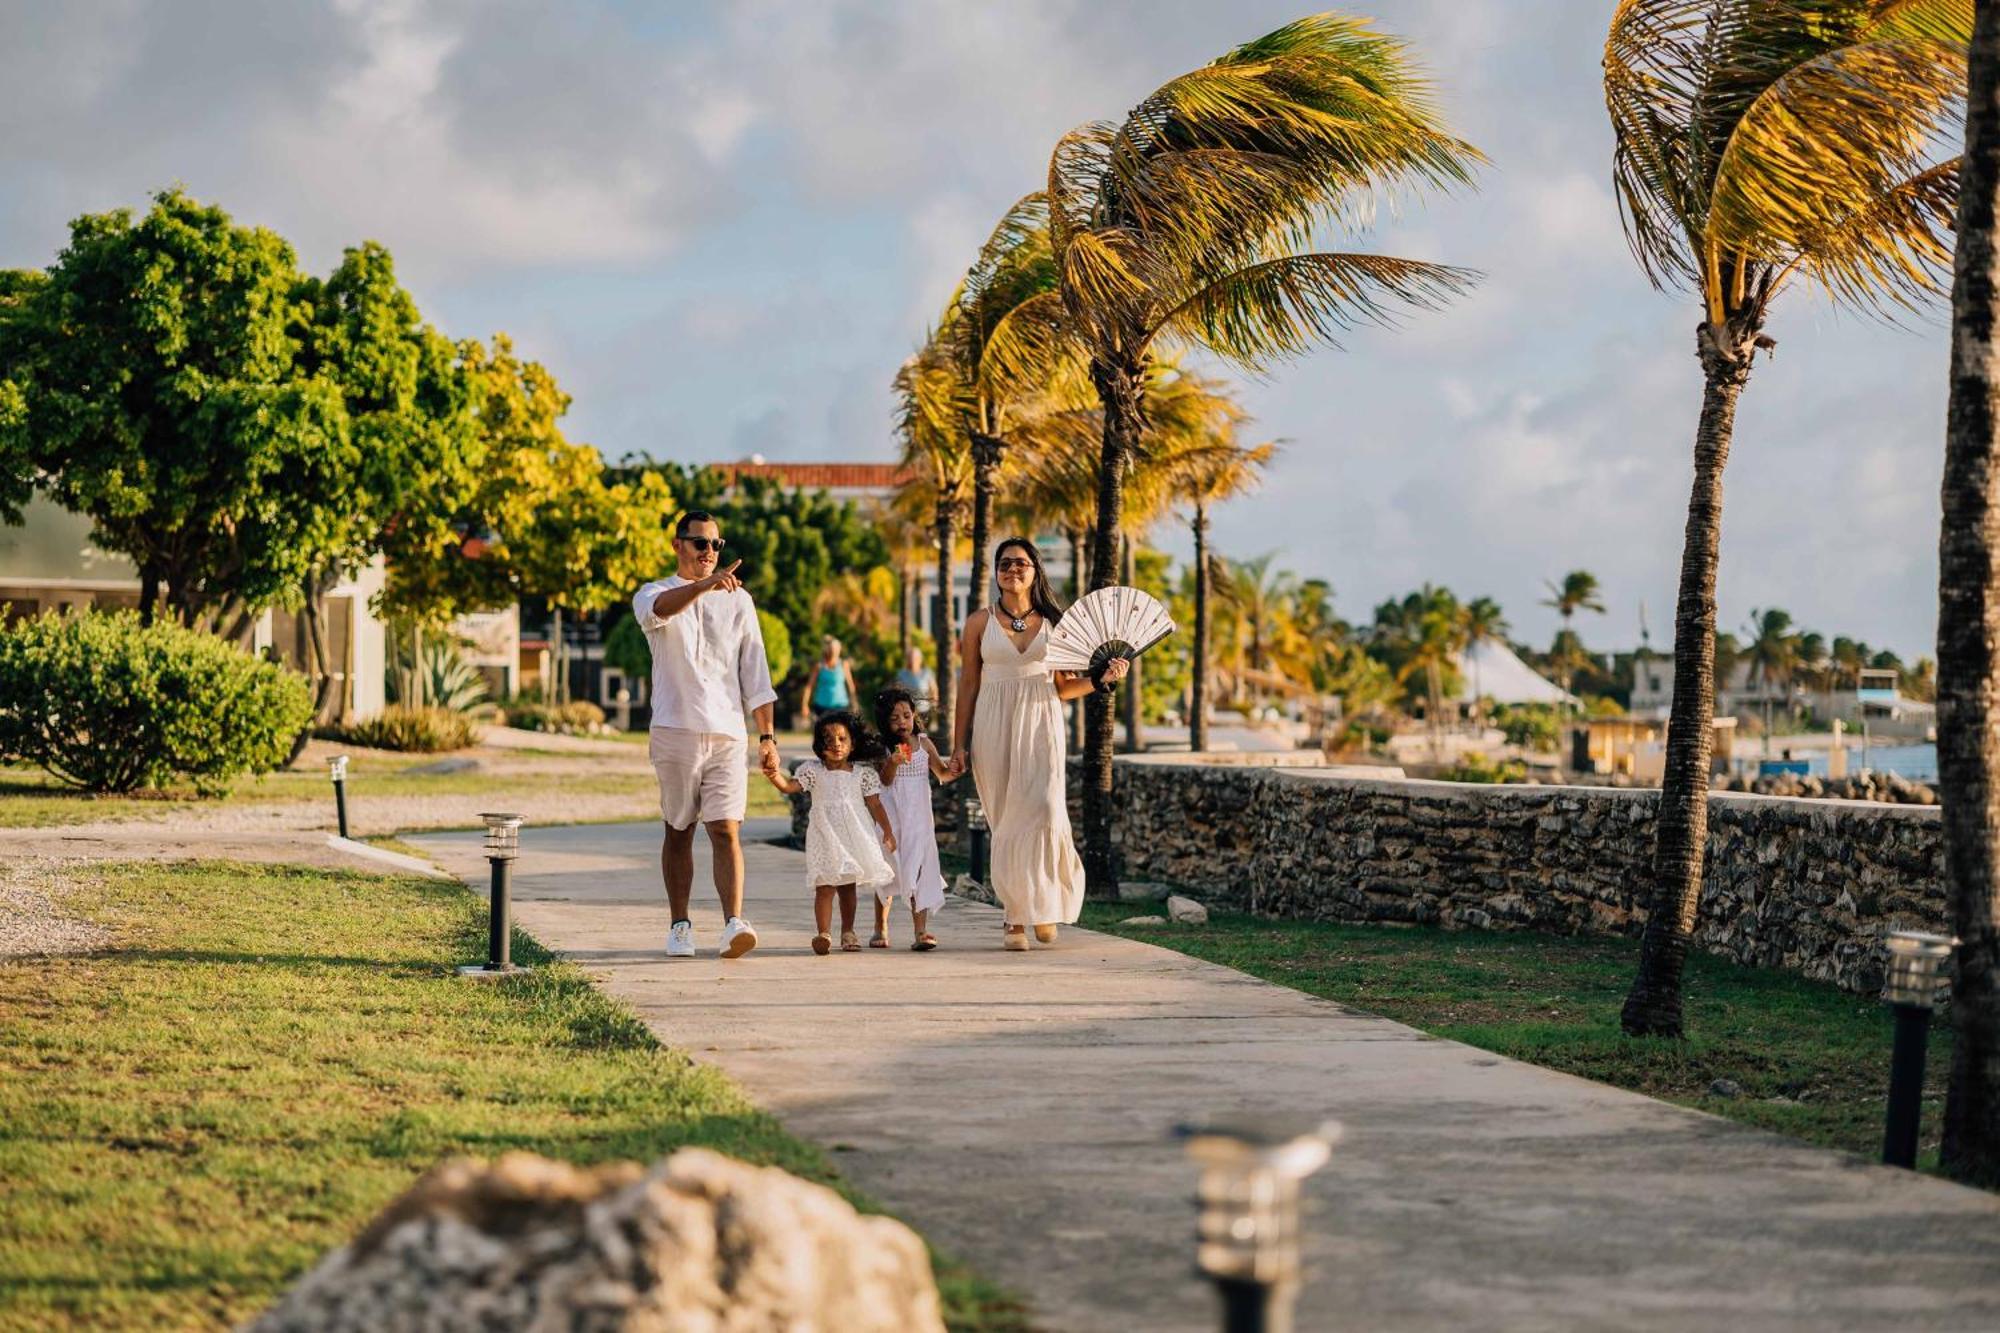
{"x":704,"y":543}
{"x":1016,"y":564}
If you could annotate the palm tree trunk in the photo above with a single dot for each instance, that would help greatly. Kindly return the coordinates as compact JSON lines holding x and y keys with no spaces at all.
{"x":1968,"y":670}
{"x":1198,"y":689}
{"x":1129,"y":695}
{"x":941,"y":626}
{"x":1118,"y":391}
{"x":985,"y":478}
{"x":1653,"y":1006}
{"x":902,"y":610}
{"x":1075,"y":563}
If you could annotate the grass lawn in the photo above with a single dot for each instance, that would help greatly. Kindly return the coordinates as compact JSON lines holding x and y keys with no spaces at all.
{"x":190,"y":1119}
{"x":30,"y":798}
{"x":1812,"y":1060}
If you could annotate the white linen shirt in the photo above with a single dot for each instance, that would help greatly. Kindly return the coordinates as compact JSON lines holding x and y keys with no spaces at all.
{"x":708,"y":661}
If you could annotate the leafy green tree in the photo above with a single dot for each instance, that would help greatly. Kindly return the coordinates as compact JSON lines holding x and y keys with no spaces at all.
{"x":1186,"y":224}
{"x":156,"y":373}
{"x":17,"y":455}
{"x":1482,"y":622}
{"x":1756,"y":142}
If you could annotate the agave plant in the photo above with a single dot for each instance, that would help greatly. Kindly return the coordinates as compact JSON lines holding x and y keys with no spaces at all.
{"x":1759,"y":143}
{"x":434,"y":674}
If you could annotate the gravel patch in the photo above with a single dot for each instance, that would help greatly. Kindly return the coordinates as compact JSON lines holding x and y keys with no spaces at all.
{"x":32,"y":921}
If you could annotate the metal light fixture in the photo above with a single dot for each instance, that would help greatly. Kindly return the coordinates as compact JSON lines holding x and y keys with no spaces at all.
{"x":977,"y":842}
{"x":1916,"y":971}
{"x":1247,"y":1233}
{"x":502,"y":845}
{"x":337,"y":766}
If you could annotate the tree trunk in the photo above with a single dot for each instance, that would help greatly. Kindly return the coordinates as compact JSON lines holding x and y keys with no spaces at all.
{"x":902,"y":611}
{"x":1130,"y":692}
{"x":1075,"y":591}
{"x":149,"y":591}
{"x":1198,"y":688}
{"x":418,"y":685}
{"x":313,"y":613}
{"x":558,"y":658}
{"x":941,"y":626}
{"x":985,"y":479}
{"x":1968,"y":650}
{"x":1118,"y":390}
{"x":1653,"y":1006}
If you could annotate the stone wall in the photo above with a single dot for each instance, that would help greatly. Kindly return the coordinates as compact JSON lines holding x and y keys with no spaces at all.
{"x":1808,"y":885}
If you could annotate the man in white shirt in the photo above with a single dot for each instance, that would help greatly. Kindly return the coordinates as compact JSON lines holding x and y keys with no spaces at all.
{"x":708,"y":670}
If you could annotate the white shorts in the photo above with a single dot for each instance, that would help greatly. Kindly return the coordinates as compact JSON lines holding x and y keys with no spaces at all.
{"x":702,"y":775}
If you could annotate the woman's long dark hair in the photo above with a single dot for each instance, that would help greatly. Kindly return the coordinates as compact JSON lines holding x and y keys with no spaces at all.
{"x":1040,"y":595}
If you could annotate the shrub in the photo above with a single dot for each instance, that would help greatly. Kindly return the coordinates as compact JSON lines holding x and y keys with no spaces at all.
{"x":625,"y":647}
{"x":1530,"y":726}
{"x":108,"y":705}
{"x":1478,"y":768}
{"x":777,"y":644}
{"x":420,"y":730}
{"x":579,"y":717}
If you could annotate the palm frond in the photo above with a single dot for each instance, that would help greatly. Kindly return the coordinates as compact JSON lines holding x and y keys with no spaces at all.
{"x":1895,"y":250}
{"x":1030,"y":362}
{"x":1281,"y":307}
{"x":1830,"y":136}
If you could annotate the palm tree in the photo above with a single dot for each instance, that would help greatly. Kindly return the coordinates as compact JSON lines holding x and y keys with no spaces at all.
{"x":1209,"y":467}
{"x":1009,"y":353}
{"x":1184,"y":223}
{"x":1482,"y":622}
{"x":928,"y":414}
{"x":1773,"y":653}
{"x":1969,"y":637}
{"x":1577,"y":592}
{"x":1755,"y":142}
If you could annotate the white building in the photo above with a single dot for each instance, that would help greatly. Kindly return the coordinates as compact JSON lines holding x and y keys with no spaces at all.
{"x":49,"y":563}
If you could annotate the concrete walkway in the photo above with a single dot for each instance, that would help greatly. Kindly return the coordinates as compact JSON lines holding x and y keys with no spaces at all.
{"x":1016,"y":1109}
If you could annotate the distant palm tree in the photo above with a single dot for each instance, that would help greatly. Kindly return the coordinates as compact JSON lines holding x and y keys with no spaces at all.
{"x":928,"y":417}
{"x":1578,"y":591}
{"x":1754,"y":142}
{"x":1184,"y":225}
{"x":1482,"y":622}
{"x":1773,"y":650}
{"x":1967,"y":639}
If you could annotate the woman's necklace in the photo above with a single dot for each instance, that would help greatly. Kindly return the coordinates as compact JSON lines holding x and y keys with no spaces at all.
{"x":1020,"y":622}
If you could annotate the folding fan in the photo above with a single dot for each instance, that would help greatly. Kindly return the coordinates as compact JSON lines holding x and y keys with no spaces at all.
{"x":1108,"y":623}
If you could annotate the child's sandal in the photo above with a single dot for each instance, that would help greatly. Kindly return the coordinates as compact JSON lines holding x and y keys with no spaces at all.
{"x":822,"y":944}
{"x":849,"y":942}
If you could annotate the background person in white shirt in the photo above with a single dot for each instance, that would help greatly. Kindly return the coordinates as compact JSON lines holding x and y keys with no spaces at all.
{"x":708,"y":670}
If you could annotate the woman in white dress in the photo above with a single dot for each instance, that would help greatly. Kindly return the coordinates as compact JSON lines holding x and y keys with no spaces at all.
{"x":1010,"y":728}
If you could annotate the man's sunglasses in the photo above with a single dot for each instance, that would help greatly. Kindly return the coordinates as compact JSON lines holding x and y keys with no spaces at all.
{"x":704,"y":544}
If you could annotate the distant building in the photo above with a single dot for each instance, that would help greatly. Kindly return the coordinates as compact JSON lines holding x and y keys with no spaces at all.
{"x":49,"y":563}
{"x":1874,"y":699}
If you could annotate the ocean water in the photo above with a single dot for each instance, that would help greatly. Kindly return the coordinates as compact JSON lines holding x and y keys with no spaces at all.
{"x":1915,"y":762}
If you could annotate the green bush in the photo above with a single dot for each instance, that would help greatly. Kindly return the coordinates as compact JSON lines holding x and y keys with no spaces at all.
{"x":579,"y":717}
{"x":625,"y":647}
{"x":419,"y":730}
{"x":1530,"y":726}
{"x":1478,"y":768}
{"x":110,"y":706}
{"x":777,"y":644}
{"x":449,"y":681}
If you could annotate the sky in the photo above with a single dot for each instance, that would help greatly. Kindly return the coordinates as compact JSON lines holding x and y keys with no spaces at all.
{"x":723,"y":226}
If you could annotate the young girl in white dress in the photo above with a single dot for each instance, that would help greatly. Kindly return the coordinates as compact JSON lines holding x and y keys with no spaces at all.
{"x":842,"y":850}
{"x":906,"y":793}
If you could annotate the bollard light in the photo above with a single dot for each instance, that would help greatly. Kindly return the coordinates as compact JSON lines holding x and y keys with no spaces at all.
{"x":1916,"y":971}
{"x":337,"y":766}
{"x":1247,"y":1229}
{"x":502,"y":845}
{"x":977,"y":844}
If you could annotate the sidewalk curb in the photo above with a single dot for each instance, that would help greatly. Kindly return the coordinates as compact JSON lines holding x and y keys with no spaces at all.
{"x":413,"y":864}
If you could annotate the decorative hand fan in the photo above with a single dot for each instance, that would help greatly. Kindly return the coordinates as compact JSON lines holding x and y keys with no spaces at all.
{"x":1111,"y":622}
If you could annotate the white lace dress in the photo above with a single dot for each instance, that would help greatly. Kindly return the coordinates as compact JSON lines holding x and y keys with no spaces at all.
{"x":843,"y":843}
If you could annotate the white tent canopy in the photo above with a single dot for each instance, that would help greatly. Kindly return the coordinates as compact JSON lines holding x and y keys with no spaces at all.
{"x":1490,"y":669}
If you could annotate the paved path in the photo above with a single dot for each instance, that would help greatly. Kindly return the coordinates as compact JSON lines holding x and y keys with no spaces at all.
{"x":1016,"y":1109}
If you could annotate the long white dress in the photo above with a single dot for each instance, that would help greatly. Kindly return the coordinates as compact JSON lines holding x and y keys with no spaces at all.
{"x":843,"y":843}
{"x":907,"y":799}
{"x":1018,"y":747}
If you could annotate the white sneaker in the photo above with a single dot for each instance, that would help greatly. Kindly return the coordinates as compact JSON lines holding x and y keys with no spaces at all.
{"x":738,"y":938}
{"x":680,"y":940}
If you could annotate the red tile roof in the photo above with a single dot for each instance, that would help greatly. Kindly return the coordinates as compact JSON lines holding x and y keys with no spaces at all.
{"x":822,"y":476}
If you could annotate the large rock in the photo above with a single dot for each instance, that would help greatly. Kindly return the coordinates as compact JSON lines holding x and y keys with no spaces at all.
{"x":699,"y":1244}
{"x":1186,"y":911}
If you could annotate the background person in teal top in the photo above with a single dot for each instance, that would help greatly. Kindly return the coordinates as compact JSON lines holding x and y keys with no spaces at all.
{"x":833,"y":680}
